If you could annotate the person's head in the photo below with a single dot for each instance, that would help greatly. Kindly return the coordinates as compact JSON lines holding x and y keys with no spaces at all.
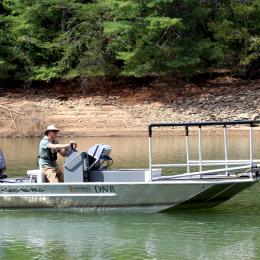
{"x":51,"y":131}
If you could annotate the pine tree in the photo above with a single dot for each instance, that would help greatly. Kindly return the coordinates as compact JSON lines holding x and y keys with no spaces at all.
{"x":161,"y":36}
{"x":41,"y":40}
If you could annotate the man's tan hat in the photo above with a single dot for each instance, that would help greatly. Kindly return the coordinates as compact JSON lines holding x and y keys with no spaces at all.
{"x":51,"y":128}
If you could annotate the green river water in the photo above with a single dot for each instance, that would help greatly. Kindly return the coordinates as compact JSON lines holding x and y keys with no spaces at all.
{"x":229,"y":231}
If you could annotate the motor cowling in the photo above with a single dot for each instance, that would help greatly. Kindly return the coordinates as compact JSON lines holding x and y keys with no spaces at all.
{"x":98,"y":156}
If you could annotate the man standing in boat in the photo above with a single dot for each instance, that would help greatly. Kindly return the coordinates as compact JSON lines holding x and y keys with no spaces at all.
{"x":48,"y":149}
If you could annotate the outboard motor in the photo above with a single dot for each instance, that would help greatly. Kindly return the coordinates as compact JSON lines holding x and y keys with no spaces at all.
{"x":98,"y":156}
{"x":78,"y":164}
{"x":2,"y":165}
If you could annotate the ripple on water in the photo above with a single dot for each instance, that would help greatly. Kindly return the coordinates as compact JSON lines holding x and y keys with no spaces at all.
{"x":230,"y":231}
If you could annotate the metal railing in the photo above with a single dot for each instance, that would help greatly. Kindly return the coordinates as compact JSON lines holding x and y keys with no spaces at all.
{"x":200,"y":163}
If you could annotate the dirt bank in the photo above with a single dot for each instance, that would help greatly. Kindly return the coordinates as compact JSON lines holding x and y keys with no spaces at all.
{"x":116,"y":107}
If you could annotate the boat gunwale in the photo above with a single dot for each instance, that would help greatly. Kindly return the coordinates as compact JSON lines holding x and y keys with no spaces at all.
{"x":168,"y":182}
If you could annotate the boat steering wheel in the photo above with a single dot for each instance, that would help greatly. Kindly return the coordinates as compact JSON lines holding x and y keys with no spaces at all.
{"x":73,"y":146}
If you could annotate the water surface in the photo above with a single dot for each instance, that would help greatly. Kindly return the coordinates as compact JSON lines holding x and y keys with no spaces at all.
{"x":230,"y":231}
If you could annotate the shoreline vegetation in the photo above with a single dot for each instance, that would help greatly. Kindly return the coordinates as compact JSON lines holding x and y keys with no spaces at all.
{"x":111,"y":67}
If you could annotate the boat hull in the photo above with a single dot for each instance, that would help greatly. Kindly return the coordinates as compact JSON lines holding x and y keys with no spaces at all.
{"x":144,"y":197}
{"x":213,"y":196}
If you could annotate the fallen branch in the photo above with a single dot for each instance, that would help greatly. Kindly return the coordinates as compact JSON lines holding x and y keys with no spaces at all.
{"x":125,"y":109}
{"x":17,"y":112}
{"x":11,"y":115}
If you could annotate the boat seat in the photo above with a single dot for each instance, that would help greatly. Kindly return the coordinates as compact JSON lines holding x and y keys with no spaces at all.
{"x":37,"y":175}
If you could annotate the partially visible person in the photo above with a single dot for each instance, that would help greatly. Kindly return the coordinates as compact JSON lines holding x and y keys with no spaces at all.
{"x":48,"y":149}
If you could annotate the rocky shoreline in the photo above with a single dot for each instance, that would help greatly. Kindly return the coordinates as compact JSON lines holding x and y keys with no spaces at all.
{"x":109,"y":109}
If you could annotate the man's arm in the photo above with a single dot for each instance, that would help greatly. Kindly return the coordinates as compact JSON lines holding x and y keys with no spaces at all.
{"x":57,"y":146}
{"x":62,"y":148}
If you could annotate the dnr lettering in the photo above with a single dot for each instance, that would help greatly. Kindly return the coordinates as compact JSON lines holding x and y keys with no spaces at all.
{"x":104,"y":189}
{"x":91,"y":189}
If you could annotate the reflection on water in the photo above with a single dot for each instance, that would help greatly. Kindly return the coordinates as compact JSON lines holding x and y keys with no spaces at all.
{"x":211,"y":234}
{"x":230,"y":231}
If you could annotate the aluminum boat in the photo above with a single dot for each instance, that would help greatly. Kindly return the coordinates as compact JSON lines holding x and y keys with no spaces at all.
{"x":91,"y":185}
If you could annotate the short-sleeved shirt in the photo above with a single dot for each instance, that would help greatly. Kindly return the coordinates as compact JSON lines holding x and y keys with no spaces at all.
{"x":43,"y":153}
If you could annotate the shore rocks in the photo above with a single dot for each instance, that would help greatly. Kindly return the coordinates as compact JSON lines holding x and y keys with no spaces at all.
{"x":129,"y":109}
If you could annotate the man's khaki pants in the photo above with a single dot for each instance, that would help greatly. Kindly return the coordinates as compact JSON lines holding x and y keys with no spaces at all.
{"x":53,"y":175}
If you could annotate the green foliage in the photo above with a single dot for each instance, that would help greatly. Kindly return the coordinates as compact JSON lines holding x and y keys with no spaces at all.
{"x":57,"y":39}
{"x":162,"y":37}
{"x":252,"y":58}
{"x":237,"y":31}
{"x":6,"y":50}
{"x":41,"y":40}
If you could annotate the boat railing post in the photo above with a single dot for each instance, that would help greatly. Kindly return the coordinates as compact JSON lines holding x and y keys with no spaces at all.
{"x":226,"y":148}
{"x":187,"y":148}
{"x":200,"y":148}
{"x":150,"y":157}
{"x":251,"y":148}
